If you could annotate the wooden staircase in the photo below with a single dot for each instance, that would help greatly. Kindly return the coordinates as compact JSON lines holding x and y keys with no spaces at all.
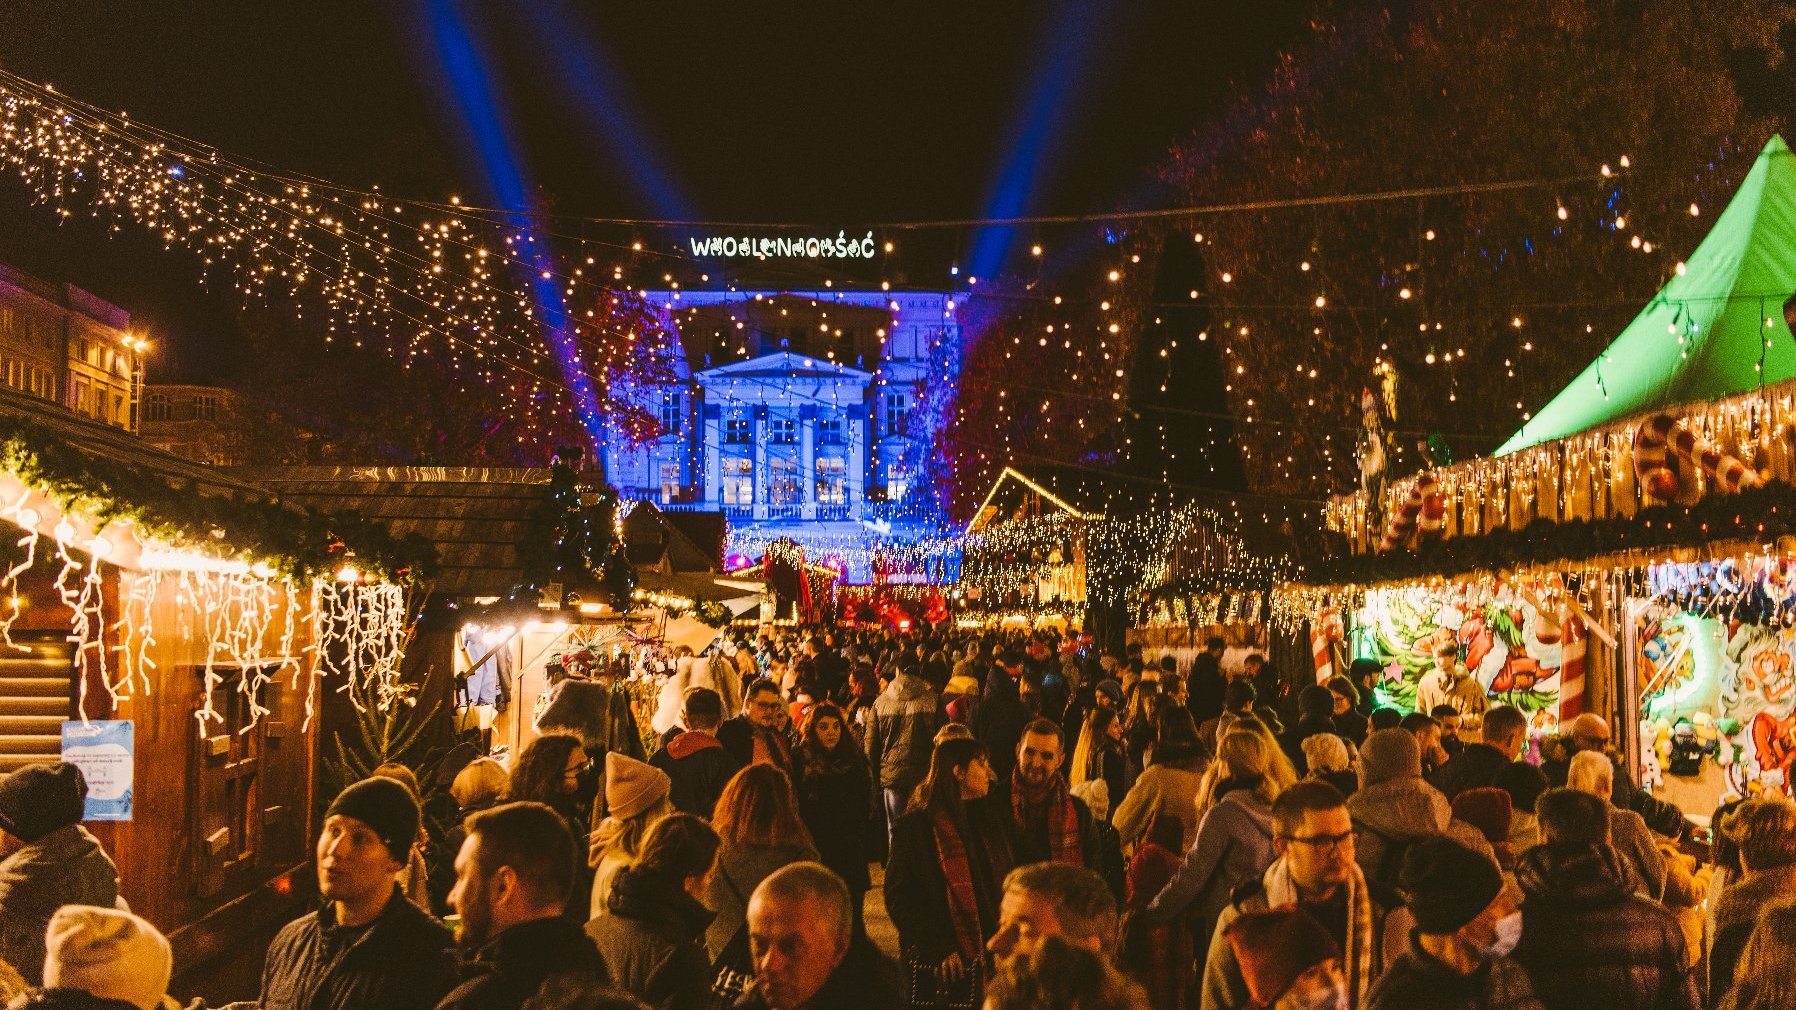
{"x":36,"y":695}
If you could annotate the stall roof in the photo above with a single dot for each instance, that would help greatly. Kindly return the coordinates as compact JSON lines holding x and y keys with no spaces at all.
{"x":478,"y":518}
{"x":1715,"y":330}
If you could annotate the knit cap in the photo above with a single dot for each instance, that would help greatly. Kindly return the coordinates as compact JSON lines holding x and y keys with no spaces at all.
{"x":632,"y":786}
{"x":1488,"y":809}
{"x":387,"y":808}
{"x":1325,"y":752}
{"x":109,"y":954}
{"x":1272,"y":948}
{"x":39,"y":799}
{"x":1096,"y":795}
{"x":1110,"y":689}
{"x":1447,"y":884}
{"x":1389,"y":754}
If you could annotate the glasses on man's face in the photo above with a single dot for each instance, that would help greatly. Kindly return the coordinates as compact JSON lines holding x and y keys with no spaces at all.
{"x":575,"y":771}
{"x":1322,"y":843}
{"x":766,"y":706}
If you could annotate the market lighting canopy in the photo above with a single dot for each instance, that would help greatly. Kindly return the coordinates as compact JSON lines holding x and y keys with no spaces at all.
{"x":1716,"y":329}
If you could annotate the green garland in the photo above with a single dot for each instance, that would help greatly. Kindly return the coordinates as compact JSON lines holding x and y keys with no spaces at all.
{"x":1764,"y":513}
{"x":299,"y":543}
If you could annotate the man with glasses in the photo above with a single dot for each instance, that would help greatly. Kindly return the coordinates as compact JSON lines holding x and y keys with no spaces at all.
{"x":759,"y":734}
{"x":1315,"y":871}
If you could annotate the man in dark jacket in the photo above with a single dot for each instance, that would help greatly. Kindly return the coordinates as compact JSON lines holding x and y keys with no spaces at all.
{"x":1504,"y":732}
{"x":900,"y":735}
{"x":47,"y":860}
{"x":806,"y":957}
{"x":1590,"y":732}
{"x":1587,"y":938}
{"x":368,"y":946}
{"x":1315,"y":714}
{"x":759,"y":734}
{"x":1003,"y":713}
{"x":696,"y":760}
{"x":1206,"y":683}
{"x":1047,"y":822}
{"x":512,"y":878}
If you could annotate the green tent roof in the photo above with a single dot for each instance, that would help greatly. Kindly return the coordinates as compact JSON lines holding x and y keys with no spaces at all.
{"x":1737,"y":279}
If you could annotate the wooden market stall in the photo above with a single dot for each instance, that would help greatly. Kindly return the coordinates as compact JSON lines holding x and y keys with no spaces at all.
{"x":174,"y":630}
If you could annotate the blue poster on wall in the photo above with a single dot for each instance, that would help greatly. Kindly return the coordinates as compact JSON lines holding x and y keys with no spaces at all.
{"x":105,"y":751}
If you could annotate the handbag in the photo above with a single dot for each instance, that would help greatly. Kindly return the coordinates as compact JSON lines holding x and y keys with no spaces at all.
{"x":926,"y":989}
{"x":734,"y":966}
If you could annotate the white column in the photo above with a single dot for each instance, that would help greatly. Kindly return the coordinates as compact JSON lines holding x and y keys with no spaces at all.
{"x":854,"y":424}
{"x":759,"y":425}
{"x":807,"y":465}
{"x":713,"y":475}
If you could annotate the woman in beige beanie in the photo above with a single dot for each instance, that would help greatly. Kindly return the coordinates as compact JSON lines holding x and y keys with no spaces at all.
{"x":108,"y":954}
{"x":636,"y":796}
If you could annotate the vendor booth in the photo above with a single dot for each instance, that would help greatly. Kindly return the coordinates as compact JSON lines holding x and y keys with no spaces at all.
{"x":1629,"y":552}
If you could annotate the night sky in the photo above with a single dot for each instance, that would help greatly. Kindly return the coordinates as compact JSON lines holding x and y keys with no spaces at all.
{"x":829,"y":113}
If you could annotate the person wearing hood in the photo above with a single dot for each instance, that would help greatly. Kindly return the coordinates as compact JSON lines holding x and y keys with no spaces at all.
{"x":652,"y":929}
{"x":695,"y":761}
{"x":1315,"y":714}
{"x":1314,"y":872}
{"x":1234,"y":841}
{"x":1394,"y":807}
{"x":1501,"y":737}
{"x":900,"y":730}
{"x":1587,"y":937}
{"x":1466,"y":926}
{"x":47,"y":860}
{"x":513,"y":877}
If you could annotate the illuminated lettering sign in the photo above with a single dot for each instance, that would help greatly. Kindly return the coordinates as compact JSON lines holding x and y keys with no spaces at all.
{"x":771,"y":247}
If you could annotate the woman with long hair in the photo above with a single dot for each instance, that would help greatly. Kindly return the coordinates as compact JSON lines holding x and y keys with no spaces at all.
{"x":553,"y":769}
{"x":1279,"y":769}
{"x":760,"y":830}
{"x":835,"y":799}
{"x":1234,"y":839}
{"x":637,"y":795}
{"x":651,"y":929}
{"x":1099,"y":753}
{"x":1169,"y":786}
{"x":945,"y":879}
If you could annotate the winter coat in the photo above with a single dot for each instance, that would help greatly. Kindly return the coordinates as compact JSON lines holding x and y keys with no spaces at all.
{"x":1662,"y":817}
{"x":738,"y":738}
{"x":1352,"y":726}
{"x":1686,"y":884}
{"x":1160,"y":957}
{"x":1234,"y":845}
{"x":1473,"y":767}
{"x":865,"y":980}
{"x":652,"y":937}
{"x":1399,"y":810}
{"x":837,"y":806}
{"x":999,"y":722}
{"x":65,"y":867}
{"x":1416,"y":981}
{"x":1736,"y":911}
{"x":916,"y":889}
{"x":699,"y":767}
{"x":513,"y":966}
{"x":1161,"y":789}
{"x":1589,"y":940}
{"x":403,"y":960}
{"x":1205,"y":688}
{"x":1630,"y":836}
{"x":901,"y":733}
{"x":740,"y":869}
{"x":1032,"y":847}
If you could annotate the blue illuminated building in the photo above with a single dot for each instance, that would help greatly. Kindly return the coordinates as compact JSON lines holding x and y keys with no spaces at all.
{"x":812,"y":415}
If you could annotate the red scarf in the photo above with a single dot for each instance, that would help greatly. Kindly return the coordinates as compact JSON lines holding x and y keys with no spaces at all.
{"x":1050,"y":803}
{"x":963,"y":901}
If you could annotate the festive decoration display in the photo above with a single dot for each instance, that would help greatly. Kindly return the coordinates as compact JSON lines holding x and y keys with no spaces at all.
{"x":577,"y":556}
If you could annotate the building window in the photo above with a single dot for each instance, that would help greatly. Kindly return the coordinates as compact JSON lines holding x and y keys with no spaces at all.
{"x":897,"y":413}
{"x":671,"y":413}
{"x":205,"y":407}
{"x":832,"y":481}
{"x":782,"y":481}
{"x":738,"y":481}
{"x":670,"y":482}
{"x":156,"y":407}
{"x":739,"y":430}
{"x":829,"y":431}
{"x":782,"y":431}
{"x":897,"y":483}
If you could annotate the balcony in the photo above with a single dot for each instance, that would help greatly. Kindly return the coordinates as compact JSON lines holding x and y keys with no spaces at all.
{"x":832,"y":513}
{"x":785,"y":512}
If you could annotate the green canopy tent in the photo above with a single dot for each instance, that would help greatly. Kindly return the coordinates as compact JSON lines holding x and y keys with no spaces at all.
{"x":1713,"y":331}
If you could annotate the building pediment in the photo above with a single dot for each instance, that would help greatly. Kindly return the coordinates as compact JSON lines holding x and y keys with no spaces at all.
{"x":785,"y":365}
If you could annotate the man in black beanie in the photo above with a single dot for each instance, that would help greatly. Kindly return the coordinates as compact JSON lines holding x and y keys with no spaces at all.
{"x":47,"y":860}
{"x":368,"y":946}
{"x":1466,"y":925}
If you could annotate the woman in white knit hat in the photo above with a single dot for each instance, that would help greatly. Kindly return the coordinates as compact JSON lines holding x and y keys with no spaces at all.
{"x":95,"y":955}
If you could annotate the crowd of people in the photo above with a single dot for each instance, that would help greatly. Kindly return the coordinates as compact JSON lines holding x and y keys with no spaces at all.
{"x":1056,"y":828}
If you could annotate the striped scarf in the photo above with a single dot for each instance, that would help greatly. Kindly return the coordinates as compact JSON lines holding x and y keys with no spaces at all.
{"x":1032,"y":805}
{"x":1357,"y":952}
{"x":963,"y":901}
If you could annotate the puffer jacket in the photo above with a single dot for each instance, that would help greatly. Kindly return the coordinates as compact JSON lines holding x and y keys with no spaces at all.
{"x":901,"y":733}
{"x":1399,"y":810}
{"x":1589,"y":940}
{"x":652,"y":937}
{"x":1234,"y":845}
{"x":403,"y":960}
{"x":65,"y":867}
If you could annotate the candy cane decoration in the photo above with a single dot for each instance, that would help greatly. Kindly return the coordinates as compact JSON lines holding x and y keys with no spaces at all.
{"x":1422,"y":508}
{"x":1325,"y":630}
{"x":1652,"y":463}
{"x":1726,"y":472}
